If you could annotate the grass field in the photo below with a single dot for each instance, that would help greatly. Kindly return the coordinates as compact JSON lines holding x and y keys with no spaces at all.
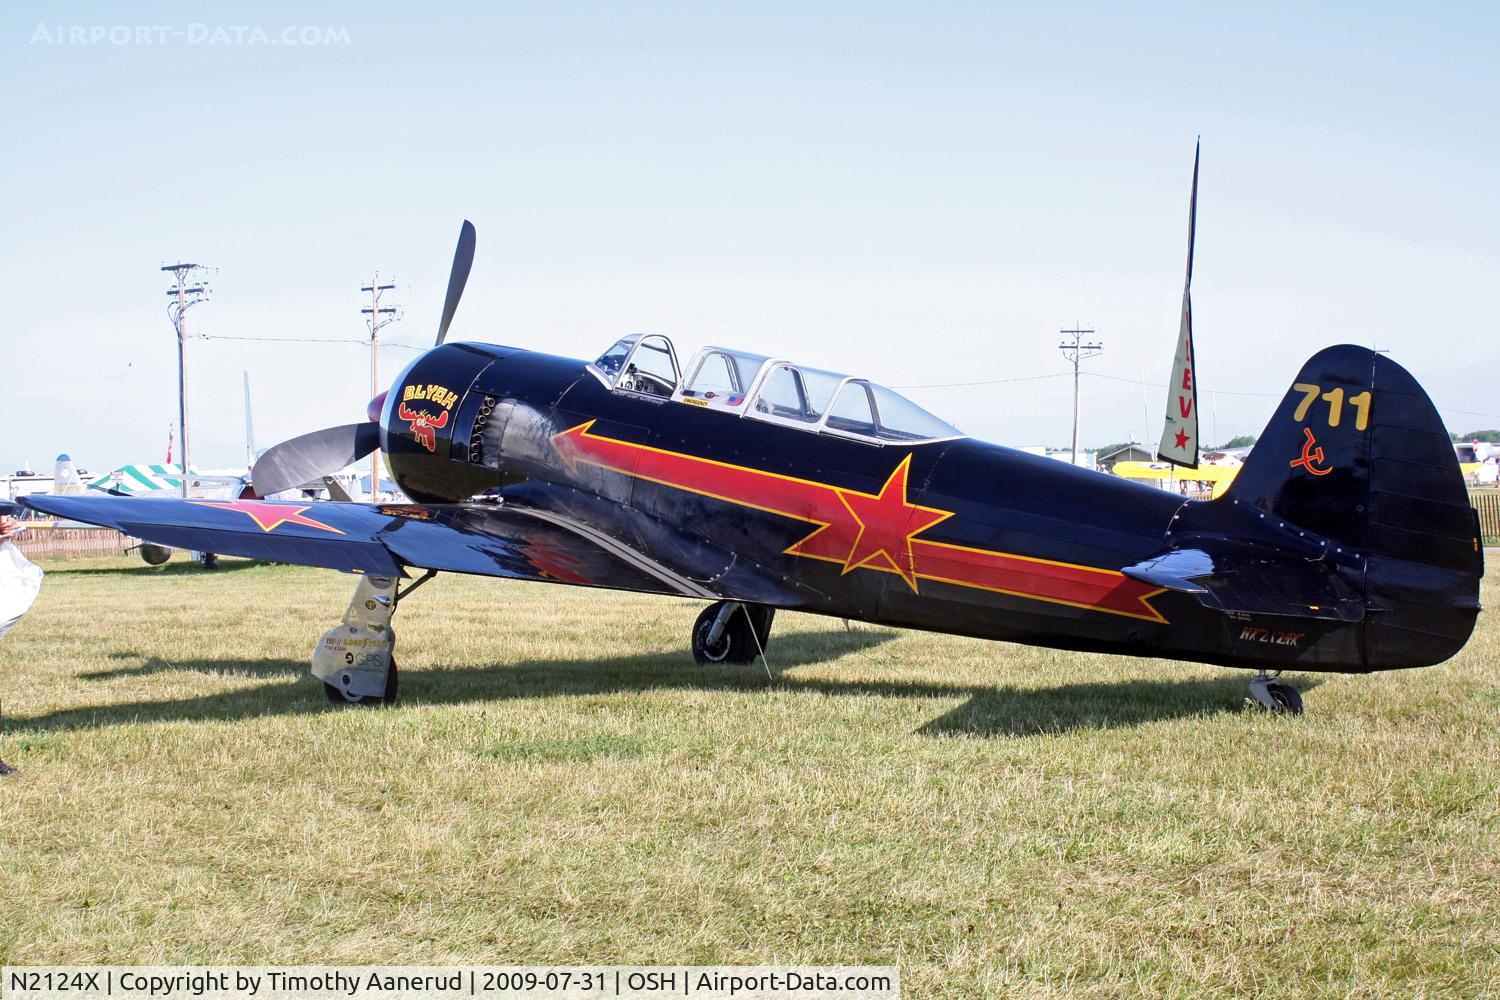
{"x":562,"y":784}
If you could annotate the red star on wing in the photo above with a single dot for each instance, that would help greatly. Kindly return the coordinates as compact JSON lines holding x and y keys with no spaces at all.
{"x":887,"y":524}
{"x":268,"y":516}
{"x":1182,"y":439}
{"x":554,"y":561}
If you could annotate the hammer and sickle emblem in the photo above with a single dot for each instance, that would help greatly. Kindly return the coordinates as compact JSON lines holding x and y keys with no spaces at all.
{"x":1312,"y":455}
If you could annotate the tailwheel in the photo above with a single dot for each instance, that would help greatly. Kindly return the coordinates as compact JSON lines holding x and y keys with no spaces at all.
{"x":1275,"y":695}
{"x":731,"y":632}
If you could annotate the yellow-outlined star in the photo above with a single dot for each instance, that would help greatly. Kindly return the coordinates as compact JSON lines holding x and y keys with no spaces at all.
{"x":887,"y":524}
{"x":268,"y":516}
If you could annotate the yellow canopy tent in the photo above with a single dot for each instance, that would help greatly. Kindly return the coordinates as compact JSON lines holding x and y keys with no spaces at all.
{"x":1219,"y":475}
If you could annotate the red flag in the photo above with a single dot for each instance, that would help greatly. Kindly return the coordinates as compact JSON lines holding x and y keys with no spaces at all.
{"x":170,"y":435}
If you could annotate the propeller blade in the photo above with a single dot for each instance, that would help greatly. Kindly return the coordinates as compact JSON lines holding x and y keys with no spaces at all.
{"x":463,"y":259}
{"x":310,"y":457}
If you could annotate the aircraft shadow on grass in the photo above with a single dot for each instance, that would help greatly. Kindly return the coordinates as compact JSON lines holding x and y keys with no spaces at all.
{"x":987,"y":710}
{"x":1013,"y":711}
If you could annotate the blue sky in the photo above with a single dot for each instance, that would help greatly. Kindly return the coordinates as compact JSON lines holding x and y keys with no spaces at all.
{"x":921,"y":193}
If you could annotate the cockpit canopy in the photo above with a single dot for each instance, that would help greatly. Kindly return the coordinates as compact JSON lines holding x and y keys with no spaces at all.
{"x":770,"y":389}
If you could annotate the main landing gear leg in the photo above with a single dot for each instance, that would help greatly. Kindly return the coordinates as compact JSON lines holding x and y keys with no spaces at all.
{"x":356,"y":659}
{"x":1275,"y":695}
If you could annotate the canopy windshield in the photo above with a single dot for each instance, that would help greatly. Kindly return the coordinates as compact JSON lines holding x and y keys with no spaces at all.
{"x":871,"y":410}
{"x":770,"y":389}
{"x":828,"y":402}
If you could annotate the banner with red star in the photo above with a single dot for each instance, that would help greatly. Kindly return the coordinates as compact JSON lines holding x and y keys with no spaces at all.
{"x":1179,"y":436}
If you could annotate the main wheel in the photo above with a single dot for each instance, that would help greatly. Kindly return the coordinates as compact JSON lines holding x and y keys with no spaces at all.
{"x":392,"y":688}
{"x":736,"y":643}
{"x":1288,"y":699}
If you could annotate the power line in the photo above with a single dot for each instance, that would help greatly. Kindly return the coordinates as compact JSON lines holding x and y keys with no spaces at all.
{"x":1157,"y":385}
{"x":1162,"y":385}
{"x":925,"y":385}
{"x":283,"y":340}
{"x":129,"y":365}
{"x":309,"y":340}
{"x":1472,"y":413}
{"x":1111,"y":378}
{"x":988,"y":381}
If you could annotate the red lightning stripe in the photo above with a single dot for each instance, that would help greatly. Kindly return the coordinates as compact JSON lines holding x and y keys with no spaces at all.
{"x":870,"y":531}
{"x":268,"y":516}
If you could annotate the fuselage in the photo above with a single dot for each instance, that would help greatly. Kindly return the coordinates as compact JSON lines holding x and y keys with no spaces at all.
{"x":956,"y":535}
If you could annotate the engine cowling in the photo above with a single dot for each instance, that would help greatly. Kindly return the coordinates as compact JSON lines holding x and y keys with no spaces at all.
{"x":422,"y":412}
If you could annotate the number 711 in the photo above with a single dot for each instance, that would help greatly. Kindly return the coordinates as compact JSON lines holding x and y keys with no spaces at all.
{"x":1335,"y":399}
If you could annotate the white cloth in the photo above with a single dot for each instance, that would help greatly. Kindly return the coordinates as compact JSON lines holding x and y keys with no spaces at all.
{"x":20,"y":579}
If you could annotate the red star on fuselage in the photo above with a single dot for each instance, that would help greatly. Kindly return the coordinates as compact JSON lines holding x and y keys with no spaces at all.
{"x":881,"y":532}
{"x":887,"y":523}
{"x":268,"y":516}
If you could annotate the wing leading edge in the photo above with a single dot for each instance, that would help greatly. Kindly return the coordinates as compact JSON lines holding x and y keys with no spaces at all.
{"x":382,"y":539}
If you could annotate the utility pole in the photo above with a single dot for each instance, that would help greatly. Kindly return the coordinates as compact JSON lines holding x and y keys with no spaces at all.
{"x":376,"y":316}
{"x":186,"y":296}
{"x":1078,"y":352}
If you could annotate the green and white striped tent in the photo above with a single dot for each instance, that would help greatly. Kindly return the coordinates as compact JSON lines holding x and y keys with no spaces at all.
{"x":136,"y":479}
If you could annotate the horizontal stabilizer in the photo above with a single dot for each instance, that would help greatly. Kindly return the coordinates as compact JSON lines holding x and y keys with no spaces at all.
{"x":1251,"y":582}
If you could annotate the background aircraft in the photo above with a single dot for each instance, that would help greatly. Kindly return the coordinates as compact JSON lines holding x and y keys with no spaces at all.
{"x":1345,"y":543}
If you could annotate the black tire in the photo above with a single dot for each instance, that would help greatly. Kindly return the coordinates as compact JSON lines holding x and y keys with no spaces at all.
{"x":736,"y":644}
{"x":154,"y":555}
{"x":392,"y":689}
{"x":1287,"y":698}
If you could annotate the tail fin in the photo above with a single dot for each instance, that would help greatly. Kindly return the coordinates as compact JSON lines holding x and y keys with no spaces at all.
{"x":65,"y":479}
{"x":1357,"y":453}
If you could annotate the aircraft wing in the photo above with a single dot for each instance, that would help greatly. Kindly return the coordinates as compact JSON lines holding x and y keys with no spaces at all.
{"x":382,"y":539}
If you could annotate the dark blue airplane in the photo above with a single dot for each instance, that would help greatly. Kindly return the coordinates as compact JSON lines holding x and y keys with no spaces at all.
{"x":1346,"y":543}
